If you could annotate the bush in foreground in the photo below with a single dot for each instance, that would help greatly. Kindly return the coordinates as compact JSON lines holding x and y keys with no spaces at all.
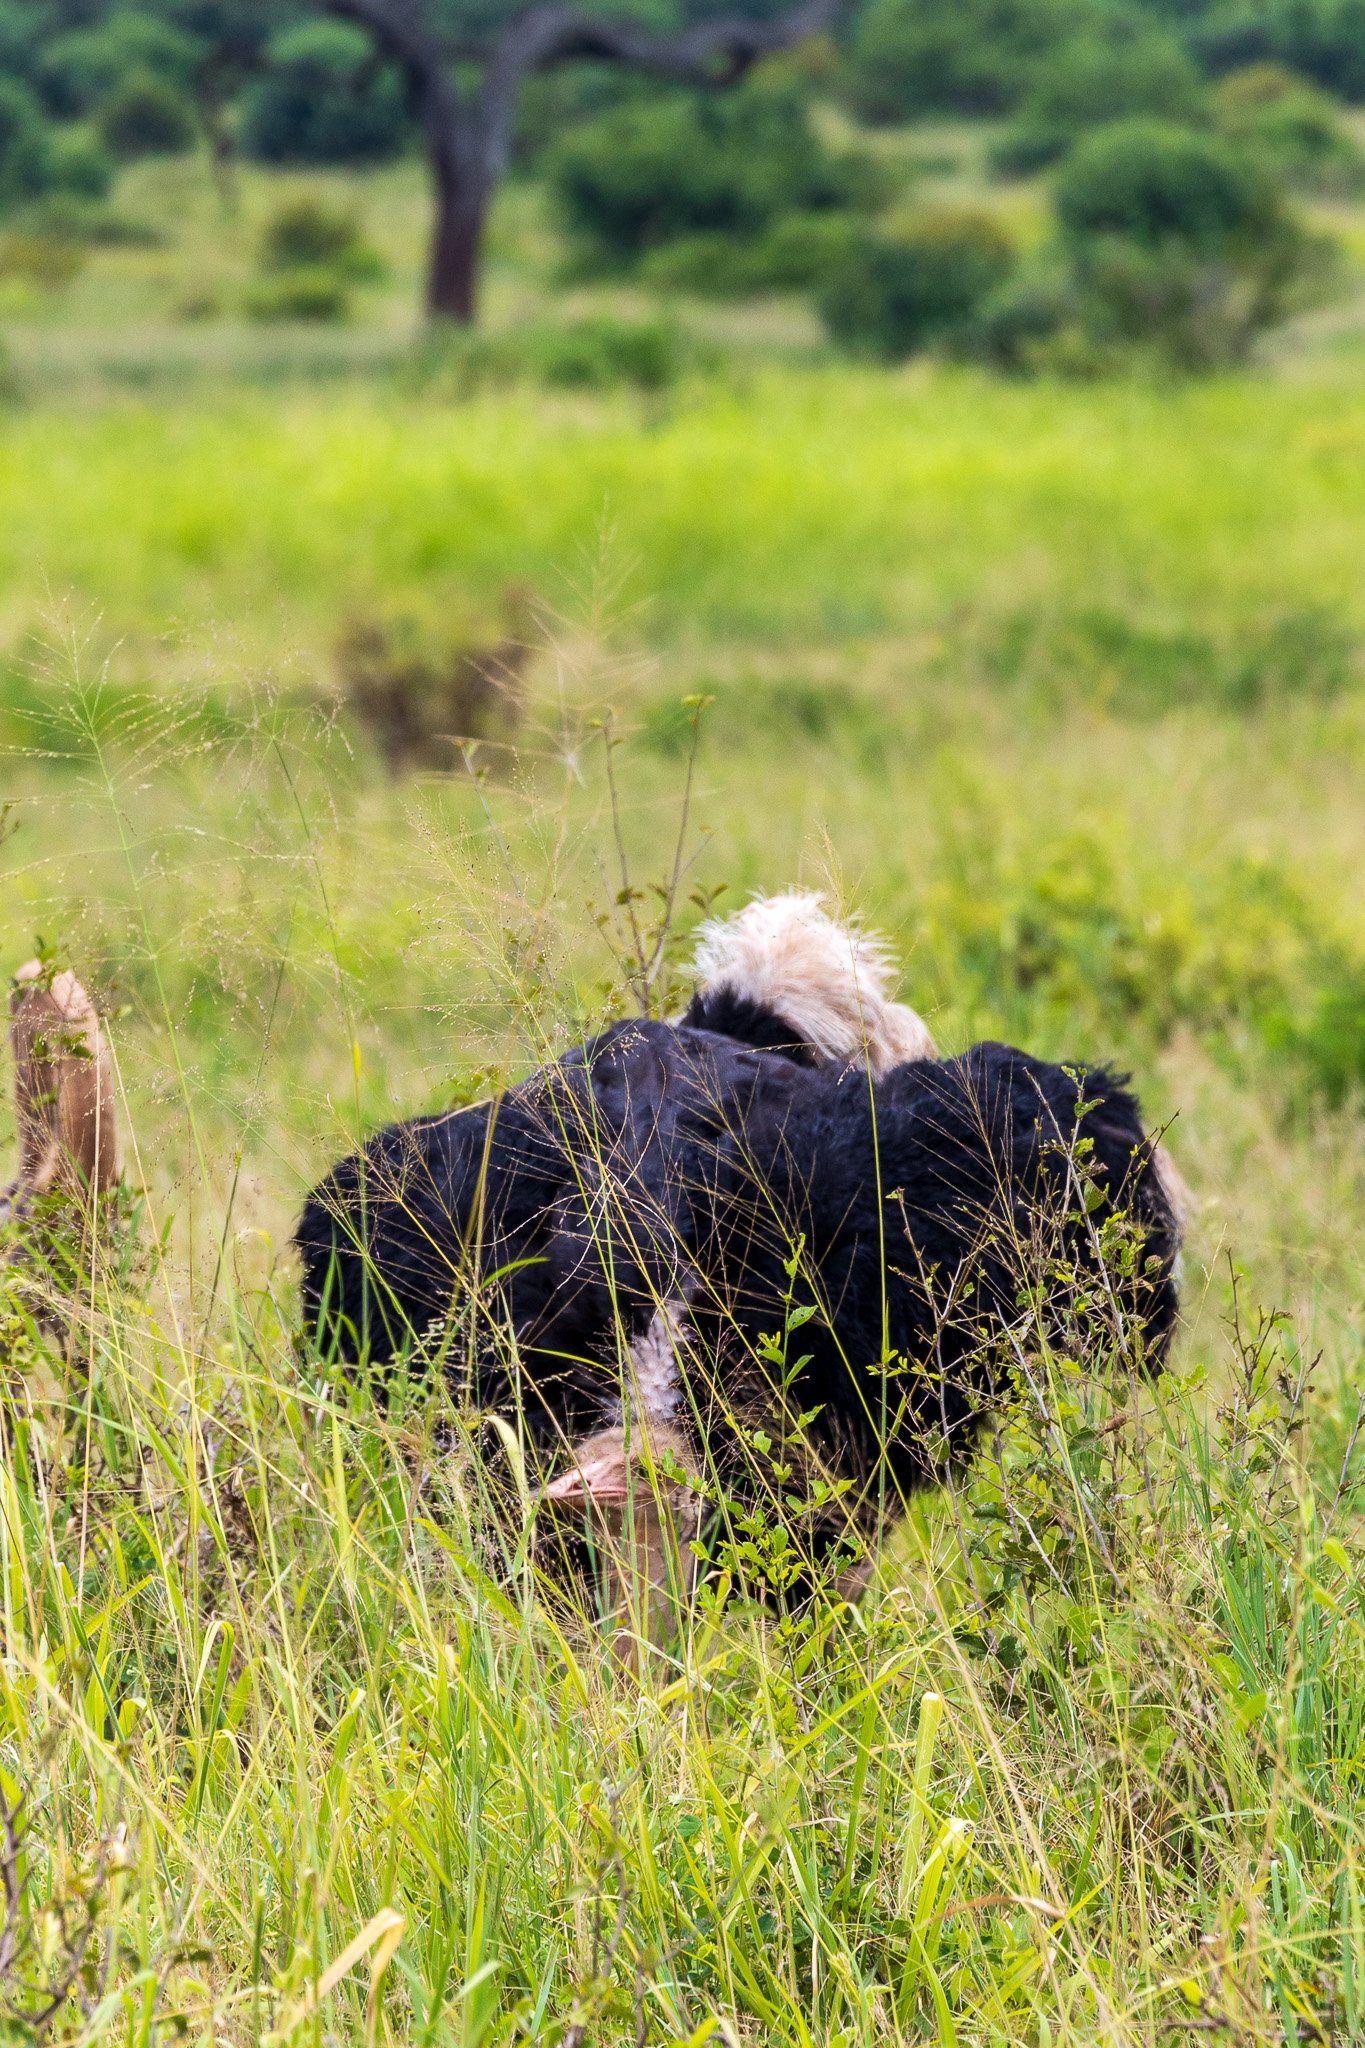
{"x":82,"y":70}
{"x":314,"y":293}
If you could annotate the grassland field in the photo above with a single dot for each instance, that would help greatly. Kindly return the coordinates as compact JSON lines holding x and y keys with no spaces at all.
{"x":1062,"y":687}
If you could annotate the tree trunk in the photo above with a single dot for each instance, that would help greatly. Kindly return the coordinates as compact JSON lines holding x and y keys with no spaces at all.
{"x":469,"y":135}
{"x":456,"y":242}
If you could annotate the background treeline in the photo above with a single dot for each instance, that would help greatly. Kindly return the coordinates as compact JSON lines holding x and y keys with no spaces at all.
{"x":1180,"y":143}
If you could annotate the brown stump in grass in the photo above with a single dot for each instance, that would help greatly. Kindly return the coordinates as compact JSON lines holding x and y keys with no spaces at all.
{"x":64,"y":1094}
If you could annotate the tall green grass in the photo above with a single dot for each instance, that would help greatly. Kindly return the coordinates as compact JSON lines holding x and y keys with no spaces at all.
{"x":294,"y":1744}
{"x":1154,"y":543}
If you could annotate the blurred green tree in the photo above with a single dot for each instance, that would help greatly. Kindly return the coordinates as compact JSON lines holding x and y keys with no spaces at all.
{"x":465,"y":66}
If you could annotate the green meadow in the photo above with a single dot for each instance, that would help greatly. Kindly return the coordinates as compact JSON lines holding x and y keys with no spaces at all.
{"x":1059,"y":685}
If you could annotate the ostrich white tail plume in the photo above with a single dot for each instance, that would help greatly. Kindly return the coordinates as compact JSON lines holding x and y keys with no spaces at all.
{"x":829,"y":981}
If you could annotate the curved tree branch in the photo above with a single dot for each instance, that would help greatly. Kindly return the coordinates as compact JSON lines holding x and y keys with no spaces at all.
{"x":713,"y":53}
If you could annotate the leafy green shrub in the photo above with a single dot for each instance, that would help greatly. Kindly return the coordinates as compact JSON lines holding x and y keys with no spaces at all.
{"x":306,"y":233}
{"x":711,"y":265}
{"x":1154,"y":181}
{"x":799,"y":250}
{"x":147,"y":116}
{"x":1034,"y":322}
{"x":81,"y":70}
{"x":23,"y":143}
{"x":312,"y":293}
{"x":795,"y":253}
{"x":923,"y":281}
{"x":1061,"y":933}
{"x":1292,"y":126}
{"x":1094,"y":80}
{"x":1195,"y":311}
{"x":322,"y":100}
{"x":75,"y":165}
{"x":643,"y":175}
{"x":36,"y":159}
{"x":1180,"y":243}
{"x":310,"y":256}
{"x":910,"y":57}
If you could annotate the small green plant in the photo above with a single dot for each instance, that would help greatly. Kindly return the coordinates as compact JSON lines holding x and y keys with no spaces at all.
{"x":1156,"y":182}
{"x":23,"y":142}
{"x":37,"y":159}
{"x":76,"y":165}
{"x":147,"y":115}
{"x":311,"y":255}
{"x":914,"y":283}
{"x":314,"y":293}
{"x":1291,"y":125}
{"x":642,"y":176}
{"x":1095,"y":79}
{"x":596,"y":355}
{"x":1172,"y":245}
{"x":305,"y":233}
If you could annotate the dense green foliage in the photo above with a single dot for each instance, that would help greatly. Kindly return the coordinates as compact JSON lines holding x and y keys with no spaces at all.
{"x":1095,"y":80}
{"x":1292,"y":127}
{"x":1156,"y":182}
{"x":1171,"y":241}
{"x":322,"y":99}
{"x":765,"y":187}
{"x":147,"y":116}
{"x":36,"y":159}
{"x":963,"y":56}
{"x":895,"y":292}
{"x":648,"y":173}
{"x":1324,"y":39}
